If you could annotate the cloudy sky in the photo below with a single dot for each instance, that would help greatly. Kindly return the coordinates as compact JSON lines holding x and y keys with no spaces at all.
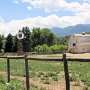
{"x":14,"y":14}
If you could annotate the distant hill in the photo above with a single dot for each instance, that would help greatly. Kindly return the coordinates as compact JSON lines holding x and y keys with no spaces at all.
{"x":61,"y":32}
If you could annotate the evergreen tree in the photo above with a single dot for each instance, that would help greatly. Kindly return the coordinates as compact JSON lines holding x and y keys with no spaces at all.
{"x":27,"y":39}
{"x":9,"y":43}
{"x":15,"y":44}
{"x":1,"y":41}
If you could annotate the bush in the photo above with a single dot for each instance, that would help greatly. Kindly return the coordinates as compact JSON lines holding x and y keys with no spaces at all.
{"x":13,"y":85}
{"x":2,"y":80}
{"x":44,"y":49}
{"x":85,"y":88}
{"x":55,"y":78}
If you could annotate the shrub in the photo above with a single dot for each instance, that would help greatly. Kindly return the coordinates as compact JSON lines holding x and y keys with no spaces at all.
{"x":2,"y":80}
{"x":44,"y":49}
{"x":85,"y":88}
{"x":55,"y":78}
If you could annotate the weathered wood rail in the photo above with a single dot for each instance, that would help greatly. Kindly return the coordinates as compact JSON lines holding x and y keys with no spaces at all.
{"x":65,"y":60}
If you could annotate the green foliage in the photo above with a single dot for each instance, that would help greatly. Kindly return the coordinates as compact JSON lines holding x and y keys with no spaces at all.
{"x":87,"y":32}
{"x":13,"y":85}
{"x":9,"y":43}
{"x":15,"y":44}
{"x":47,"y":71}
{"x":85,"y":88}
{"x":43,"y":88}
{"x":1,"y":41}
{"x":44,"y":49}
{"x":34,"y":86}
{"x":39,"y":74}
{"x":55,"y":78}
{"x":27,"y":39}
{"x":2,"y":80}
{"x":42,"y":36}
{"x":45,"y":80}
{"x":35,"y":38}
{"x":61,"y":40}
{"x":57,"y":48}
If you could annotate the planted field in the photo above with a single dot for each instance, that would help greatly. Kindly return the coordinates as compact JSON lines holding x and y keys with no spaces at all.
{"x":45,"y":75}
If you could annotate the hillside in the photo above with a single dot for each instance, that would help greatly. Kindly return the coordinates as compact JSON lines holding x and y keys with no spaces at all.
{"x":61,"y":32}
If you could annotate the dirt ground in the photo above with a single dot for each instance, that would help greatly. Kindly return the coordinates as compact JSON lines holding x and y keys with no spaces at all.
{"x":56,"y":86}
{"x":83,"y":55}
{"x":53,"y":86}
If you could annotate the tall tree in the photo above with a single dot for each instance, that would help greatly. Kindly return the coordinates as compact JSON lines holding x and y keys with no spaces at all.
{"x":15,"y":44}
{"x":1,"y":41}
{"x":47,"y":36}
{"x":42,"y":36}
{"x":36,"y":37}
{"x":9,"y":43}
{"x":27,"y":39}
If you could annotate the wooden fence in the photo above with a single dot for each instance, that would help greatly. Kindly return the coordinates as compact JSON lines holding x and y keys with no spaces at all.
{"x":65,"y":60}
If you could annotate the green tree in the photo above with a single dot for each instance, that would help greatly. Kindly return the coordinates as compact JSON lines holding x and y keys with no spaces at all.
{"x":9,"y":43}
{"x":15,"y":44}
{"x":36,"y":37}
{"x":27,"y":39}
{"x":1,"y":41}
{"x":42,"y":36}
{"x":47,"y":36}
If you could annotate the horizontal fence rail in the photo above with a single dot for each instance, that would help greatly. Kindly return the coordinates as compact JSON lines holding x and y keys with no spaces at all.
{"x":64,"y":58}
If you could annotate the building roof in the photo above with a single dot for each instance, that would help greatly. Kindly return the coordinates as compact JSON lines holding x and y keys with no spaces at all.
{"x":86,"y":35}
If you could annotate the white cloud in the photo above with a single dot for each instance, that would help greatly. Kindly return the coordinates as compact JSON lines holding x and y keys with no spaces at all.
{"x":56,"y":5}
{"x":29,"y":8}
{"x":16,"y":1}
{"x":87,"y":1}
{"x":48,"y":21}
{"x":81,"y":16}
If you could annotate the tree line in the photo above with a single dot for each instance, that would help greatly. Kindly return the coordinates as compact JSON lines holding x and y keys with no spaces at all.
{"x":37,"y":37}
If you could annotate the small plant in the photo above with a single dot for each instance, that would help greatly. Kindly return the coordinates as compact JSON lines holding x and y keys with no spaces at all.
{"x":32,"y":74}
{"x":13,"y":85}
{"x":85,"y":88}
{"x":34,"y":86}
{"x":43,"y":88}
{"x":55,"y":78}
{"x":46,"y":75}
{"x":2,"y":80}
{"x":44,"y":78}
{"x":39,"y":74}
{"x":51,"y":74}
{"x":77,"y":83}
{"x":73,"y":78}
{"x":46,"y":81}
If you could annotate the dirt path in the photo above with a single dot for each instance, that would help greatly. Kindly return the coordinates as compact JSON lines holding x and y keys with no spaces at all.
{"x":87,"y":55}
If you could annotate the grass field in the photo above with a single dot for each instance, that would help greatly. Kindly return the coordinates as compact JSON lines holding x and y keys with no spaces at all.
{"x":43,"y":74}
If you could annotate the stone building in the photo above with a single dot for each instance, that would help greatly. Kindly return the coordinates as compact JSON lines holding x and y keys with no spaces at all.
{"x":79,"y":43}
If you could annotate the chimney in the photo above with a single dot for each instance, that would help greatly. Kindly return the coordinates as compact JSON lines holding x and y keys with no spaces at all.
{"x":83,"y":33}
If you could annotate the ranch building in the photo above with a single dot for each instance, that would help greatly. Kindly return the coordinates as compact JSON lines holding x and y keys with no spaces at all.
{"x":79,"y":43}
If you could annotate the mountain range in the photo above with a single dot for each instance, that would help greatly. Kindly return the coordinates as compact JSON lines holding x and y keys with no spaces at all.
{"x":61,"y":32}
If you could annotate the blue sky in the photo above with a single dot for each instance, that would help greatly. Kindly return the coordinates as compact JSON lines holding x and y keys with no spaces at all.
{"x":9,"y":10}
{"x":14,"y":14}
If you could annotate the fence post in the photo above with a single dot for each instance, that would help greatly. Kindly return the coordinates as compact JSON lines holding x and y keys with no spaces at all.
{"x":66,"y":72}
{"x":8,"y":69}
{"x":27,"y":73}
